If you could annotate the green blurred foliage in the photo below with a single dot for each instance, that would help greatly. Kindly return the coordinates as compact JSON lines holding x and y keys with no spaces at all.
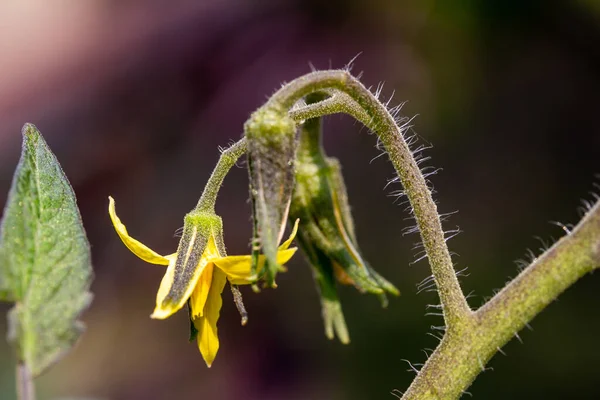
{"x":45,"y":264}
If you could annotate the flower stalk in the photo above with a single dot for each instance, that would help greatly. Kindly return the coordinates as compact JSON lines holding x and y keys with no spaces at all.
{"x":360,"y":103}
{"x":227,"y":160}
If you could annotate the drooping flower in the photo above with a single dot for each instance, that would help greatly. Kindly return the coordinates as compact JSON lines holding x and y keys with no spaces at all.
{"x":195,"y":278}
{"x":327,"y":234}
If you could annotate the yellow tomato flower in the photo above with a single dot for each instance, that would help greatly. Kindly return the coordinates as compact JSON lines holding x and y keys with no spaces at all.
{"x":205,"y":285}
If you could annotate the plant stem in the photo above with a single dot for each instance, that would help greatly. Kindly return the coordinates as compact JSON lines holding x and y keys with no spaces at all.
{"x":471,"y":338}
{"x":337,"y":102}
{"x":573,"y":256}
{"x":366,"y":108}
{"x":227,"y":160}
{"x":25,"y":386}
{"x":458,"y":360}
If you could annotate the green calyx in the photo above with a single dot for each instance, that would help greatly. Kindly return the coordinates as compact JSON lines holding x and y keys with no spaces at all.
{"x":271,"y":149}
{"x":198,"y":229}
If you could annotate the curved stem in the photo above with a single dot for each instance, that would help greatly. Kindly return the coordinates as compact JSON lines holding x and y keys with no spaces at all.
{"x":359,"y":102}
{"x":316,"y":81}
{"x":471,"y":339}
{"x":227,"y":160}
{"x":337,"y":102}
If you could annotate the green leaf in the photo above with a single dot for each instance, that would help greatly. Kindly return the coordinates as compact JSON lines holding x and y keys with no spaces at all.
{"x":45,"y":263}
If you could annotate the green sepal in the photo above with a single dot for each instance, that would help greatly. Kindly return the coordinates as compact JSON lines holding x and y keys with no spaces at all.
{"x":320,"y":201}
{"x":198,"y":228}
{"x":206,"y":225}
{"x":341,"y":201}
{"x":331,"y":308}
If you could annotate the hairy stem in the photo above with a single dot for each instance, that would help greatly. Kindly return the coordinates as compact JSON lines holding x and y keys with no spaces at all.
{"x":227,"y":160}
{"x":359,"y":102}
{"x":550,"y":274}
{"x":458,"y":360}
{"x":471,"y":338}
{"x":25,"y":387}
{"x":336,"y":103}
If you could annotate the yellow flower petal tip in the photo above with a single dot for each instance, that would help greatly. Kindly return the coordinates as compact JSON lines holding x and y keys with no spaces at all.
{"x":136,"y":247}
{"x":288,"y":242}
{"x":209,"y":355}
{"x":161,"y":313}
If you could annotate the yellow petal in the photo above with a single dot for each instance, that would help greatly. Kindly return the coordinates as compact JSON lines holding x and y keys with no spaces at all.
{"x":165,"y":309}
{"x":165,"y":284}
{"x":208,"y":340}
{"x":136,"y":247}
{"x":287,"y":243}
{"x":283,"y":256}
{"x":238,"y":268}
{"x":200,"y":293}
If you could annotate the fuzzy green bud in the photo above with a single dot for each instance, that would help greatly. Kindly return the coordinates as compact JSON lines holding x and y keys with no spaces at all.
{"x":270,"y":135}
{"x":326,"y":231}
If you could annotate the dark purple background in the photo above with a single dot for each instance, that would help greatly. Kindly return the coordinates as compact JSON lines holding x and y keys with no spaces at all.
{"x":135,"y":98}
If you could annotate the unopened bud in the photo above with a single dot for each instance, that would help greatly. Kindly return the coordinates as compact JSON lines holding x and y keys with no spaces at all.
{"x":326,"y":231}
{"x":270,"y":134}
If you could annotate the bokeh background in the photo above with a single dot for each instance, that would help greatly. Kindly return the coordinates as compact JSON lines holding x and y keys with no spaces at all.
{"x":135,"y":98}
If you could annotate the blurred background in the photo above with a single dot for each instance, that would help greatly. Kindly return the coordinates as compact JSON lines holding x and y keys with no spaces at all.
{"x":135,"y":98}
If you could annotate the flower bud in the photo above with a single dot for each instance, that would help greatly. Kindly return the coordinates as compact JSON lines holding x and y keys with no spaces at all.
{"x":326,"y":231}
{"x":340,"y":197}
{"x":270,"y":135}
